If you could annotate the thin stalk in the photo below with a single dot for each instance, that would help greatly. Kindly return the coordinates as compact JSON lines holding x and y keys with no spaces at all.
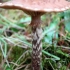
{"x":36,"y":43}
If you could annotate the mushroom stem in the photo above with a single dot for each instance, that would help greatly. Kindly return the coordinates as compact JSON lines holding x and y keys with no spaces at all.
{"x":36,"y":43}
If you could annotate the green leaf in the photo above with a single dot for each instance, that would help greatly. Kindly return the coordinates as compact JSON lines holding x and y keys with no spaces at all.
{"x":51,"y":55}
{"x":67,"y":20}
{"x":25,"y":20}
{"x":52,"y":30}
{"x":62,"y":53}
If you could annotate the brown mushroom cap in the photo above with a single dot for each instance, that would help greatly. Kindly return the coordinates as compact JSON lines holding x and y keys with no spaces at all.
{"x":37,"y":5}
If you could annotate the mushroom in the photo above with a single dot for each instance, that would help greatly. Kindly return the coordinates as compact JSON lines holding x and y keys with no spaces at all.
{"x":36,"y":8}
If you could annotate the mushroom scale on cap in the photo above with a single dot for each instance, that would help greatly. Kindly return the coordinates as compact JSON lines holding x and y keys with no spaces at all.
{"x":37,"y":5}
